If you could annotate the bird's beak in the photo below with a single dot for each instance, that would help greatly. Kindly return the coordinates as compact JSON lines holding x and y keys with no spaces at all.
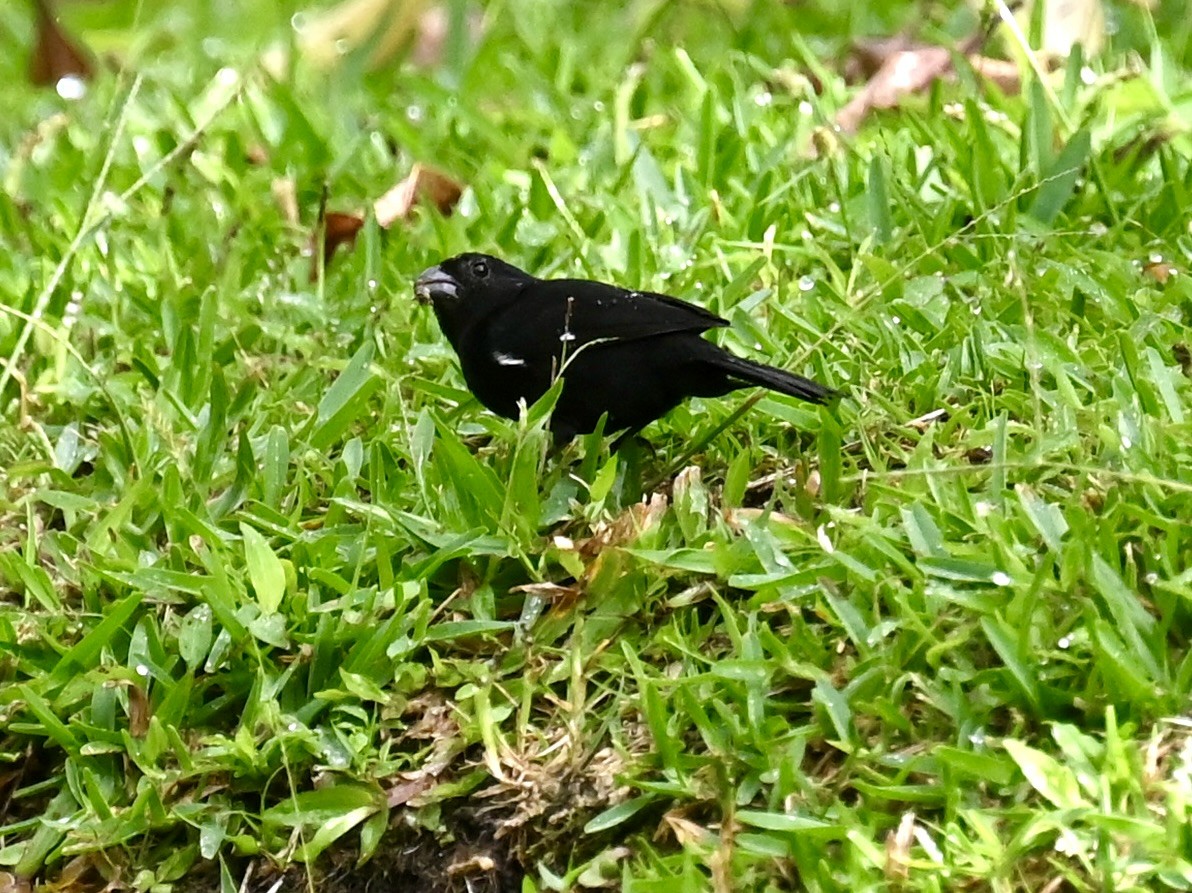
{"x":434,"y":283}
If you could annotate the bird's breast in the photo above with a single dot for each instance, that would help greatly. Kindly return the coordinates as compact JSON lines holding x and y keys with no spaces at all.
{"x":500,"y":377}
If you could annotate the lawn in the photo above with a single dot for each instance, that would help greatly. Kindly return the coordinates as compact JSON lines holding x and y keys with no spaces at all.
{"x":283,"y":608}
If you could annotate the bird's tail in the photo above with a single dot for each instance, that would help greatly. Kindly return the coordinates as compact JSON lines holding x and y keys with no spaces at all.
{"x":749,"y":372}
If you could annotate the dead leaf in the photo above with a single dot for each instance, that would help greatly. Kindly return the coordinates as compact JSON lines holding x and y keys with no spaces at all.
{"x":814,"y":483}
{"x":285,"y":196}
{"x":685,"y":831}
{"x":424,"y":184}
{"x":436,"y":719}
{"x":903,"y":72}
{"x":325,"y":38}
{"x":80,"y":873}
{"x":550,"y":591}
{"x":867,"y":54}
{"x":626,"y":528}
{"x":721,"y":861}
{"x":1067,"y":23}
{"x":898,"y":848}
{"x":55,"y":55}
{"x":1159,"y":270}
{"x":867,"y":57}
{"x":434,"y":27}
{"x":403,"y":793}
{"x":1056,"y":883}
{"x":922,"y":422}
{"x":740,"y":518}
{"x":478,"y":864}
{"x":139,"y":711}
{"x":336,"y":229}
{"x":10,"y":883}
{"x":1002,"y":72}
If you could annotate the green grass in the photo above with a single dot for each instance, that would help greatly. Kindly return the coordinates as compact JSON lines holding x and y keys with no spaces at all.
{"x":273,"y":586}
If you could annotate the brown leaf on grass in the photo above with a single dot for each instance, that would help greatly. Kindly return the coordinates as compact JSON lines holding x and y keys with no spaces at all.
{"x":898,"y":848}
{"x":867,"y":55}
{"x":1002,"y":72}
{"x":740,"y":518}
{"x":552,"y":592}
{"x":10,"y":883}
{"x":435,"y":718}
{"x":335,"y":229}
{"x":906,"y":68}
{"x":405,"y":791}
{"x":923,"y":422}
{"x":434,"y":27}
{"x":1067,"y":23}
{"x":1159,"y":270}
{"x":381,"y":28}
{"x":424,"y":184}
{"x":285,"y":196}
{"x":256,"y":155}
{"x":903,"y":72}
{"x":685,"y":831}
{"x":80,"y":873}
{"x":139,"y":711}
{"x":625,"y":528}
{"x":55,"y":56}
{"x":479,"y":863}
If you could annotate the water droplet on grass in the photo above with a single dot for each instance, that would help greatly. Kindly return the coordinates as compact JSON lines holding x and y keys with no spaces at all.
{"x":71,"y":87}
{"x":806,"y":283}
{"x":1000,"y":578}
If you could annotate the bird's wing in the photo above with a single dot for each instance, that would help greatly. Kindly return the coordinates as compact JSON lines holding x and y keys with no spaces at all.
{"x":581,"y":312}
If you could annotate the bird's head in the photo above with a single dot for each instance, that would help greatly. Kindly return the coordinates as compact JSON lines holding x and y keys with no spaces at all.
{"x":469,"y":278}
{"x":464,"y":288}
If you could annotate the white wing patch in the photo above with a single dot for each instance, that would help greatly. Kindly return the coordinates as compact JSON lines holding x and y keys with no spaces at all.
{"x":505,"y":359}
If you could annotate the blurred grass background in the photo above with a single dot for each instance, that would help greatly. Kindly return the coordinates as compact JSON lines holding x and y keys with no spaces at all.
{"x":276,"y":590}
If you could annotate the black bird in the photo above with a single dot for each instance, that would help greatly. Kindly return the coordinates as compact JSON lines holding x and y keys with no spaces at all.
{"x":634,"y":355}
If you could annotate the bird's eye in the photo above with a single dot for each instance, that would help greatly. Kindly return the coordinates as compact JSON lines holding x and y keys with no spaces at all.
{"x":480,"y":269}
